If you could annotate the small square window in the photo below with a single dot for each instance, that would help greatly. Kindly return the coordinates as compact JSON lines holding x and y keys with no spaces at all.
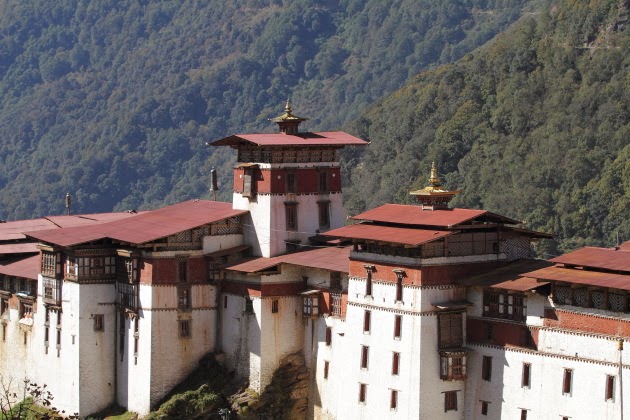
{"x":99,"y":322}
{"x":274,"y":306}
{"x":184,"y":327}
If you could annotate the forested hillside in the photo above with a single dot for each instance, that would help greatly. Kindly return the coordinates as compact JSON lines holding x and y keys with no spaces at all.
{"x":535,"y":125}
{"x":113,"y":100}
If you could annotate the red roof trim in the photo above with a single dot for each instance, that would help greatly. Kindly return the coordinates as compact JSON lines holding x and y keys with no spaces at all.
{"x":398,"y":235}
{"x":603,"y":258}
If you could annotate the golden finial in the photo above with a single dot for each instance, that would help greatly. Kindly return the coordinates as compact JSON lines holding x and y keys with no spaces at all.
{"x":287,"y":107}
{"x":434,"y":180}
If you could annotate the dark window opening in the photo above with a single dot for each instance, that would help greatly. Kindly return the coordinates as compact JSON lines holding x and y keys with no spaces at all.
{"x":486,"y":368}
{"x":274,"y":306}
{"x":450,"y":401}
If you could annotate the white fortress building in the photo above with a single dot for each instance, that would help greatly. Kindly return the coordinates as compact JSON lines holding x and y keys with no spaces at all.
{"x":409,"y":312}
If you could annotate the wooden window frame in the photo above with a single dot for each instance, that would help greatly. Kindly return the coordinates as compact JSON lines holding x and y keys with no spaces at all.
{"x":323,"y":211}
{"x":567,"y":381}
{"x":397,"y":327}
{"x":291,"y":214}
{"x":184,"y":328}
{"x":290,"y":182}
{"x":395,"y":363}
{"x":393,"y":400}
{"x":365,"y":355}
{"x":184,"y":297}
{"x":526,"y":376}
{"x":275,"y":306}
{"x":610,"y":388}
{"x":450,"y":330}
{"x":486,"y":368}
{"x":323,"y":182}
{"x":484,"y":408}
{"x":450,"y":401}
{"x":367,"y":318}
{"x":99,"y":322}
{"x":362,"y":393}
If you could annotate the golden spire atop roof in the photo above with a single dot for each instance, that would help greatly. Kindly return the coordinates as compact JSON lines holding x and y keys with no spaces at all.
{"x":434,"y":195}
{"x":288,"y":115}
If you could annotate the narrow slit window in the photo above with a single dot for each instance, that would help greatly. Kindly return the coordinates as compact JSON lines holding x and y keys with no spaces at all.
{"x":367,"y":315}
{"x":395,"y":363}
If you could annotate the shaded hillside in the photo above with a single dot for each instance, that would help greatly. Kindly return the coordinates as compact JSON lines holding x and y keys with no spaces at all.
{"x":536,"y":125}
{"x":113,"y":100}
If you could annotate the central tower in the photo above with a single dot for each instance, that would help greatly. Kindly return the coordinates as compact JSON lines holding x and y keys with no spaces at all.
{"x":290,"y":182}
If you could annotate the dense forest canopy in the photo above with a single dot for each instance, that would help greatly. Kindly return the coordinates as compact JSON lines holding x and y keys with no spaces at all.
{"x":535,"y":125}
{"x":113,"y":100}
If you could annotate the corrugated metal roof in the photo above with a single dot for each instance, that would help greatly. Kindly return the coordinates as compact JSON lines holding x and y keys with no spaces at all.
{"x":24,"y":248}
{"x":604,"y":258}
{"x":15,"y":229}
{"x":27,"y":268}
{"x":523,"y":284}
{"x":578,"y":276}
{"x":144,"y":227}
{"x":399,"y":235}
{"x":414,"y":215}
{"x":507,"y":273}
{"x":328,"y":258}
{"x":326,"y":138}
{"x":625,"y":246}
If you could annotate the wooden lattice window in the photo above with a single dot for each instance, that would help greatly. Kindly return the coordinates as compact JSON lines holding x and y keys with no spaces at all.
{"x":336,"y":304}
{"x":49,"y":263}
{"x":617,"y":301}
{"x":452,"y":365}
{"x":51,"y":290}
{"x":322,"y":182}
{"x":183,"y":297}
{"x":184,"y":328}
{"x":598,"y":299}
{"x":291,"y":216}
{"x":562,"y":295}
{"x":450,"y":330}
{"x":324,"y":214}
{"x":499,"y":303}
{"x":580,"y":297}
{"x":291,"y":183}
{"x":450,"y":401}
{"x":128,"y":295}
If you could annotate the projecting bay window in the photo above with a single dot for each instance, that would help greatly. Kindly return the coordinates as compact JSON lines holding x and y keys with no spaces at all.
{"x":450,"y":330}
{"x":336,"y":303}
{"x":290,"y":209}
{"x":90,"y":267}
{"x":49,"y":263}
{"x":501,"y":304}
{"x":310,"y":300}
{"x":51,"y":288}
{"x":452,"y":365}
{"x":127,"y":270}
{"x":249,"y":186}
{"x":128,"y":296}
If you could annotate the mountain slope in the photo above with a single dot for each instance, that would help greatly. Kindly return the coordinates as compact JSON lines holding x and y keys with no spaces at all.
{"x":535,"y":125}
{"x":112,"y":101}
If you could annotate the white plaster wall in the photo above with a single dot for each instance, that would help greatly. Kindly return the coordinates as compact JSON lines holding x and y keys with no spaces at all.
{"x":265,"y":229}
{"x":20,"y":360}
{"x":97,"y":350}
{"x":544,"y":397}
{"x":221,"y":242}
{"x":240,"y":336}
{"x":281,"y":333}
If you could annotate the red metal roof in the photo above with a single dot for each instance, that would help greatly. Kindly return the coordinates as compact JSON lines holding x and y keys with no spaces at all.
{"x":625,"y":246}
{"x":328,"y":258}
{"x":145,"y":227}
{"x":523,"y":284}
{"x":15,"y":229}
{"x":414,"y":215}
{"x":326,"y":138}
{"x":604,"y":258}
{"x":507,"y":273}
{"x":578,"y":276}
{"x":24,"y":248}
{"x":399,"y":235}
{"x":27,"y":268}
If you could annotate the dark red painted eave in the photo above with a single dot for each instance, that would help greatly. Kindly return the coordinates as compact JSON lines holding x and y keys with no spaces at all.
{"x":398,"y":235}
{"x":326,"y":138}
{"x":585,"y":277}
{"x":414,"y":215}
{"x":146,"y":227}
{"x":603,"y":258}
